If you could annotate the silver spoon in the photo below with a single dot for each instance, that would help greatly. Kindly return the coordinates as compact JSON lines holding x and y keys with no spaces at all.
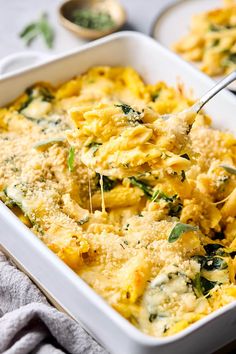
{"x":206,"y":97}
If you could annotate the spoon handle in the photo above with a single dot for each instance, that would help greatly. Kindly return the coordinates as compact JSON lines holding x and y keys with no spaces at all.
{"x":212,"y":92}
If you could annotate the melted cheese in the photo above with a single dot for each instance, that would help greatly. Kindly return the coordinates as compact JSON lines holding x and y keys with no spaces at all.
{"x":122,"y":251}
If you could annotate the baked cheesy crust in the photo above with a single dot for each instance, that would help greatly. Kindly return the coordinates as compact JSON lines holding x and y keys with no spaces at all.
{"x":159,"y":246}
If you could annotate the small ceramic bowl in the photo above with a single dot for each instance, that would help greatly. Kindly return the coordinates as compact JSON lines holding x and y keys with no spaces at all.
{"x":111,"y":7}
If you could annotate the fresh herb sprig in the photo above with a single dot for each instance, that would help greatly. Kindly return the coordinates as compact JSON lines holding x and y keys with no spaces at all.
{"x":39,"y":28}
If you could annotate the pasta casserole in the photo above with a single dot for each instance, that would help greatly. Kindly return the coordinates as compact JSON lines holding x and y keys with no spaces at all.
{"x":211,"y":40}
{"x":142,"y":209}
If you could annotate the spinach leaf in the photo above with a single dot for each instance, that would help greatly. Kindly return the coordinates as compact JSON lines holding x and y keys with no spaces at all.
{"x":174,"y":203}
{"x":202,"y":286}
{"x":211,"y":262}
{"x":33,"y":93}
{"x":71,"y":158}
{"x":213,"y":248}
{"x":46,"y":94}
{"x":142,"y":185}
{"x":206,"y":285}
{"x":175,"y":208}
{"x":155,"y":95}
{"x":133,"y":116}
{"x":29,"y":99}
{"x":108,"y":183}
{"x":157,"y":195}
{"x":180,"y":229}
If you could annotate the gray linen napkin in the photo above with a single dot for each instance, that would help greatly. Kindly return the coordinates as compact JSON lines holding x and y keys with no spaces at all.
{"x":28,"y":324}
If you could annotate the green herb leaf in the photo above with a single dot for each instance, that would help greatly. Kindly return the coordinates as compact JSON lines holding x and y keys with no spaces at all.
{"x":142,"y":185}
{"x":183,"y":176}
{"x":215,"y":42}
{"x":207,"y":285}
{"x":157,"y":195}
{"x":27,"y":102}
{"x":29,"y":33}
{"x":47,"y":96}
{"x":202,"y":286}
{"x":28,"y":29}
{"x":180,"y":229}
{"x":93,"y":19}
{"x":38,"y":28}
{"x":71,"y":159}
{"x":108,"y":183}
{"x":211,"y":262}
{"x":46,"y":30}
{"x":133,"y":115}
{"x":33,"y":93}
{"x":185,"y":156}
{"x":229,"y":169}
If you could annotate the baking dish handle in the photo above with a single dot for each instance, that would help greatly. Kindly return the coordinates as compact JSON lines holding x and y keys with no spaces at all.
{"x":19,"y":61}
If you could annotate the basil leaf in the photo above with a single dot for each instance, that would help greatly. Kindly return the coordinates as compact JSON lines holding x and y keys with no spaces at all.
{"x":229,"y":169}
{"x":180,"y":229}
{"x":71,"y":159}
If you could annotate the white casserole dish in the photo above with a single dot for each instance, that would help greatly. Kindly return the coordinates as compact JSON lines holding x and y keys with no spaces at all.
{"x":59,"y":282}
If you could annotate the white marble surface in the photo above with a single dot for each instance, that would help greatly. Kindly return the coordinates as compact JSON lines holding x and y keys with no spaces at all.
{"x":16,"y":14}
